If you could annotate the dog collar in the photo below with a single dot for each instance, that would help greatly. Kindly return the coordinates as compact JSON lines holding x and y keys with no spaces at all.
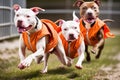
{"x":36,"y":23}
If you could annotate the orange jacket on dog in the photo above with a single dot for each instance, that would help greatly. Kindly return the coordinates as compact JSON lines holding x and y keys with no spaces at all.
{"x":71,"y":50}
{"x":93,"y":31}
{"x":48,"y":29}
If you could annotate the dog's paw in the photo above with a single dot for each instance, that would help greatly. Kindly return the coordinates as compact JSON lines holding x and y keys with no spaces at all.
{"x":93,"y":51}
{"x":78,"y":67}
{"x":97,"y":56}
{"x":88,"y":58}
{"x":69,"y":64}
{"x":21,"y":66}
{"x":27,"y":62}
{"x":43,"y":71}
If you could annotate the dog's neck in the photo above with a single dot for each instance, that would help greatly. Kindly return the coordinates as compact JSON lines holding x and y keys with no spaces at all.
{"x":37,"y":26}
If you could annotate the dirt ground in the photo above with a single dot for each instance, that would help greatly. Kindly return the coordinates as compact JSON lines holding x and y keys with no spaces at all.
{"x":9,"y":49}
{"x":109,"y":73}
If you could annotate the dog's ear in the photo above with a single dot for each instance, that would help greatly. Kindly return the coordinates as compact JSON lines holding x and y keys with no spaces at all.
{"x":16,"y":7}
{"x":78,"y":3}
{"x":60,"y":21}
{"x":36,"y":10}
{"x":97,"y":2}
{"x":75,"y":18}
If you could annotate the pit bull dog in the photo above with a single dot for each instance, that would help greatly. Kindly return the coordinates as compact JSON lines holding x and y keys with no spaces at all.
{"x":72,"y":40}
{"x":39,"y":36}
{"x":94,"y":30}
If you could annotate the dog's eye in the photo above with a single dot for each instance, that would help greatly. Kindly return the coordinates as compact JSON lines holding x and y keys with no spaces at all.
{"x":94,"y":7}
{"x":17,"y":15}
{"x":75,"y":27}
{"x":27,"y":16}
{"x":84,"y":8}
{"x":65,"y":29}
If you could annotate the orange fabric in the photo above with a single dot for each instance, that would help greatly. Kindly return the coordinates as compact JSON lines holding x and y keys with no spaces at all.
{"x":57,"y":28}
{"x":107,"y":33}
{"x":71,"y":50}
{"x":47,"y":30}
{"x":93,"y":31}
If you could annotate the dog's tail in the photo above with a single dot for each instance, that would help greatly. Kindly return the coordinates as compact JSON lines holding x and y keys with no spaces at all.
{"x":107,"y":20}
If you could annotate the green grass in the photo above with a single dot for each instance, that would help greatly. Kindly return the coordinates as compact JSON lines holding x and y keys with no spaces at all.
{"x":9,"y":70}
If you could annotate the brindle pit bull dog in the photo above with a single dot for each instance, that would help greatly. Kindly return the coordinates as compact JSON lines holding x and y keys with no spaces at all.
{"x":94,"y":30}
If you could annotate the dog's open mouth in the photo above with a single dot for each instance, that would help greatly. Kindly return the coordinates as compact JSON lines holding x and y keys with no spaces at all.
{"x":90,"y":19}
{"x":22,"y":28}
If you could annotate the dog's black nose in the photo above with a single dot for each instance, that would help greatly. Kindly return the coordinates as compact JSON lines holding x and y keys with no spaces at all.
{"x":71,"y":36}
{"x":19,"y":22}
{"x":89,"y":13}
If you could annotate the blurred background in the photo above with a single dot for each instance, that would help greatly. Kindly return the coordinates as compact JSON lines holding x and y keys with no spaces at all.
{"x":55,"y":9}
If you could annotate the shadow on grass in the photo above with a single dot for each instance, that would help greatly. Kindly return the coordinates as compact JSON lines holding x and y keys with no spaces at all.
{"x":68,"y":72}
{"x":36,"y":74}
{"x":28,"y":75}
{"x":60,"y":70}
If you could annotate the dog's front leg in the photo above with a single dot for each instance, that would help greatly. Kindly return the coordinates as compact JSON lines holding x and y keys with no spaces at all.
{"x":100,"y":36}
{"x":81,"y":51}
{"x":87,"y":53}
{"x":22,"y":48}
{"x":61,"y":53}
{"x":28,"y":60}
{"x":39,"y":53}
{"x":46,"y":55}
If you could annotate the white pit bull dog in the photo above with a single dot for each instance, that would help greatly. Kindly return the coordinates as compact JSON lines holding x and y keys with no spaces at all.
{"x":39,"y":36}
{"x":72,"y":40}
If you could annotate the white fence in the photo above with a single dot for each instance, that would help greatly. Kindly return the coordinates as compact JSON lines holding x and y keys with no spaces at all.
{"x":7,"y":28}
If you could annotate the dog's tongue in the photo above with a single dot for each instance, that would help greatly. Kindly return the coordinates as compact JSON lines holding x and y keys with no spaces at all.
{"x":21,"y":29}
{"x":90,"y":20}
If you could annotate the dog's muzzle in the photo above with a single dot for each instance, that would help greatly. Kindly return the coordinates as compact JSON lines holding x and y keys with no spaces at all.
{"x":90,"y":18}
{"x":21,"y":28}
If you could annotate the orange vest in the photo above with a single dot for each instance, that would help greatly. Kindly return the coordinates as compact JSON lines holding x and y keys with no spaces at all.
{"x":72,"y":47}
{"x":47,"y":30}
{"x":93,"y":31}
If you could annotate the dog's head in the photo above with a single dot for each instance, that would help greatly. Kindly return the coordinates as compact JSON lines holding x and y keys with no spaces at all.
{"x":89,"y":11}
{"x":25,"y":19}
{"x":70,"y":29}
